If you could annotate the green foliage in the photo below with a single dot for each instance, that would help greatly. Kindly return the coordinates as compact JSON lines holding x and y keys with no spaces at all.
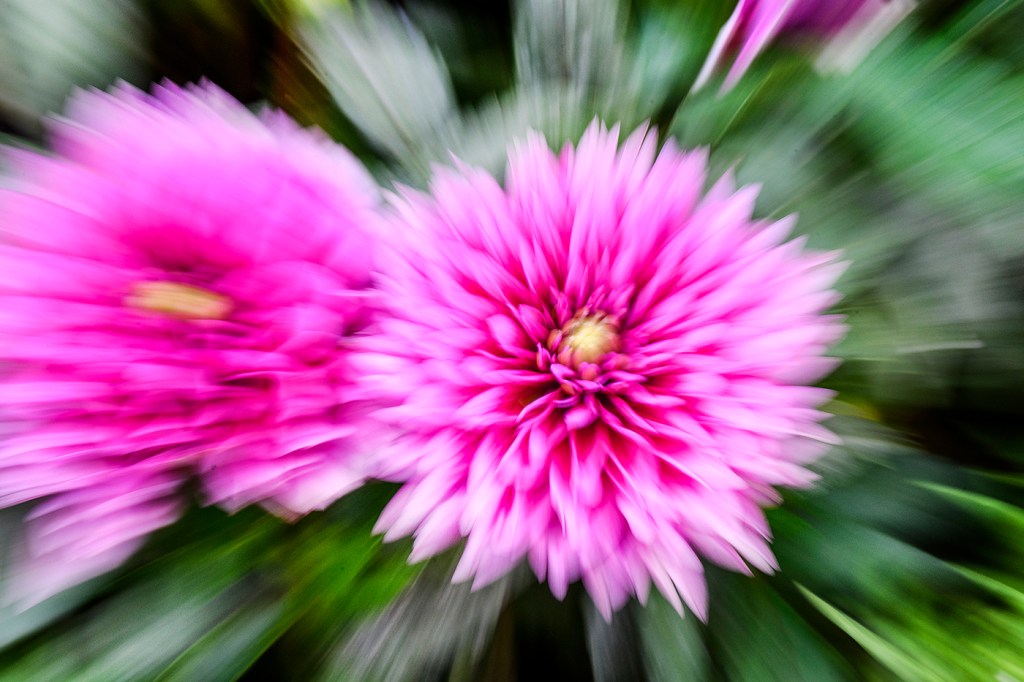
{"x":901,"y":564}
{"x":47,"y":49}
{"x":208,"y":606}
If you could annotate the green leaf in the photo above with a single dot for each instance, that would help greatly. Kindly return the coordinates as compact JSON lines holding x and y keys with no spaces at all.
{"x":231,"y":647}
{"x":672,"y":646}
{"x":417,"y":637}
{"x":158,"y":615}
{"x":1002,"y":514}
{"x":386,"y":78}
{"x":905,"y":667}
{"x":49,"y":48}
{"x":777,"y":644}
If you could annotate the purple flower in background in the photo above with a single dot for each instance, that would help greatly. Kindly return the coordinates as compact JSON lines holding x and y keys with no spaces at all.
{"x":178,"y":289}
{"x":855,"y":24}
{"x":600,"y":369}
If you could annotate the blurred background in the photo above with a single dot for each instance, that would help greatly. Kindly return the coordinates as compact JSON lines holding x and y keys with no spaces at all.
{"x":906,"y":562}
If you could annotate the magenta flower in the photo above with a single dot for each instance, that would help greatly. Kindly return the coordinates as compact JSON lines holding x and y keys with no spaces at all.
{"x":598,"y":369}
{"x":178,"y":289}
{"x":756,"y":23}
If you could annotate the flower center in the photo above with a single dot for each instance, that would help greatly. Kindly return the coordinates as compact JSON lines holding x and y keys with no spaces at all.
{"x":587,"y":338}
{"x":175,"y":299}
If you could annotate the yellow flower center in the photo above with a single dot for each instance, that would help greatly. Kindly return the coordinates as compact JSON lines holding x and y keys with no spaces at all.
{"x":175,"y":299}
{"x":590,"y":338}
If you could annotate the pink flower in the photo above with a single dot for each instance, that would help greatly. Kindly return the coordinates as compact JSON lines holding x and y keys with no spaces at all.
{"x":755,"y":23}
{"x":178,"y":289}
{"x":599,"y":369}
